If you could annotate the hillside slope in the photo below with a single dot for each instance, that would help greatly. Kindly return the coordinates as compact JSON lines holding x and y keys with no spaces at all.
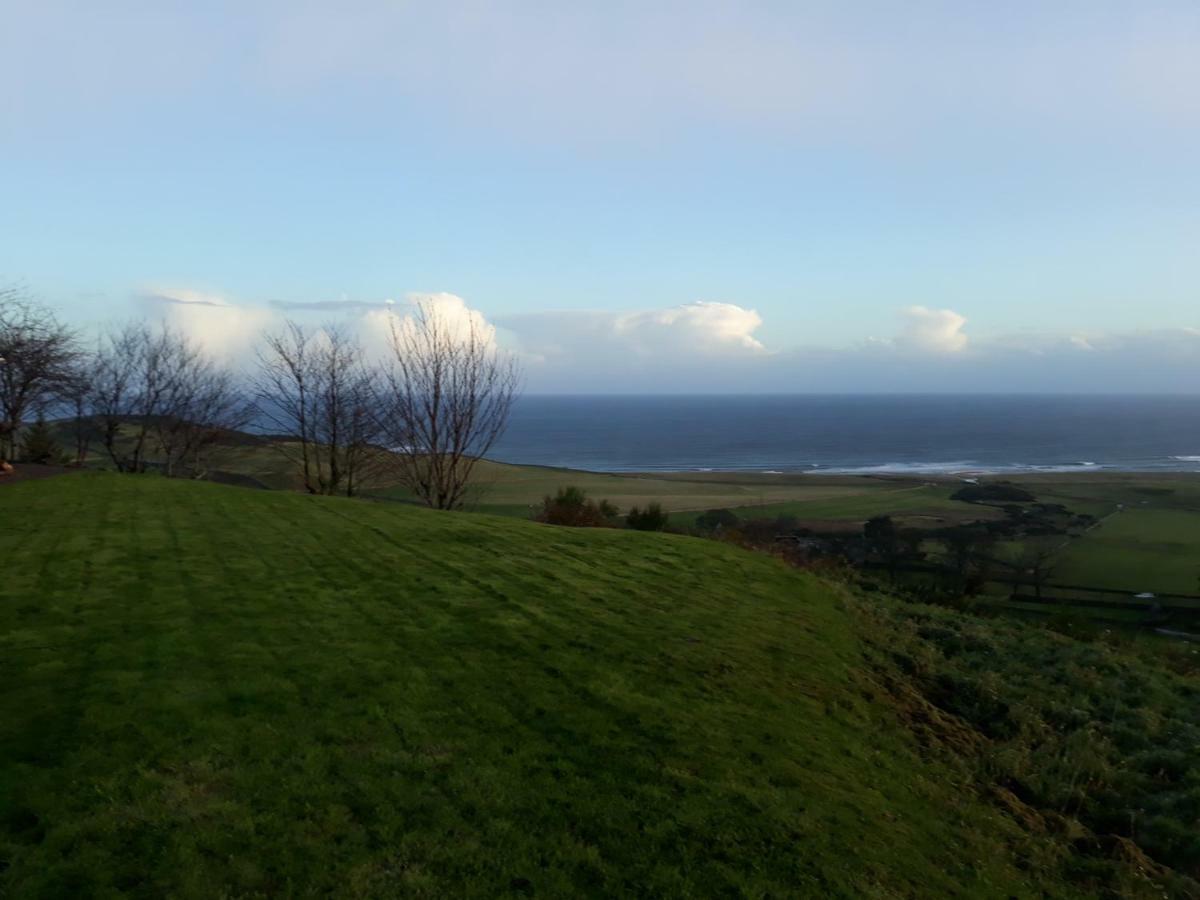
{"x":210,"y":690}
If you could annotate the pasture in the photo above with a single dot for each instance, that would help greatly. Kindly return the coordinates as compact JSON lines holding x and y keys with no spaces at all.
{"x":1139,"y":549}
{"x":212,"y":691}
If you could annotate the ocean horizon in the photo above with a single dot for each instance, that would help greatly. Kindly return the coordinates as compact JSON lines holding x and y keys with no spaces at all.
{"x":917,"y":434}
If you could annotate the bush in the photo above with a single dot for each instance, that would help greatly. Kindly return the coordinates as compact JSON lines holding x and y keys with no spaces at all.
{"x":993,"y":493}
{"x":38,"y":445}
{"x":761,"y":532}
{"x":717,"y":518}
{"x":652,"y":518}
{"x":571,"y":506}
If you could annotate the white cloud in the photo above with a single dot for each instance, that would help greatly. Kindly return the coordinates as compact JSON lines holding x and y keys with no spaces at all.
{"x":224,"y":330}
{"x":711,"y":346}
{"x":671,"y":340}
{"x":229,"y":331}
{"x":931,"y":331}
{"x":699,"y":327}
{"x":460,"y":320}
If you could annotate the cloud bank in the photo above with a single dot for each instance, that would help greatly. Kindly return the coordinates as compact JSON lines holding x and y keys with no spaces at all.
{"x":710,"y":346}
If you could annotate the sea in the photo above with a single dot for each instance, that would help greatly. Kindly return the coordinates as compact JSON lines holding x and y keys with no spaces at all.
{"x":856,"y":434}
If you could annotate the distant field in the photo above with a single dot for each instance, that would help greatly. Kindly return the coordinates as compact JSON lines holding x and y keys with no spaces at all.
{"x":1152,"y":545}
{"x":915,"y":505}
{"x":1137,"y":550}
{"x":515,"y":490}
{"x":1099,"y":494}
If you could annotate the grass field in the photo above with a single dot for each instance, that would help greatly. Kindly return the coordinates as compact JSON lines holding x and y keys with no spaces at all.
{"x":1133,"y":556}
{"x":212,"y":691}
{"x":1148,"y":538}
{"x":913,"y":505}
{"x":1100,"y":493}
{"x":515,"y":490}
{"x":818,"y":500}
{"x":1137,"y":550}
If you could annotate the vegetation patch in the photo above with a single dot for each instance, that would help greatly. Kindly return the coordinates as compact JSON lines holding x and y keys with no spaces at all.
{"x":1093,"y":740}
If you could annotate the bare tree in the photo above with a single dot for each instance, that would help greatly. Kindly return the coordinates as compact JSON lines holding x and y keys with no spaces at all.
{"x":37,"y":353}
{"x":314,"y":389}
{"x":114,"y":391}
{"x":158,"y":399}
{"x":446,"y":400}
{"x":1035,"y":566}
{"x":77,"y":398}
{"x":200,"y":407}
{"x":1038,"y":566}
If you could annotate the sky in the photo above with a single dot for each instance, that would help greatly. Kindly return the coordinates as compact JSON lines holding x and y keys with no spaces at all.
{"x":638,"y":197}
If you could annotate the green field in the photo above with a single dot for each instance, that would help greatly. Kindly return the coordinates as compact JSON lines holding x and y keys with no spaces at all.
{"x":914,"y":505}
{"x":836,"y":501}
{"x":1099,"y":494}
{"x":515,"y":490}
{"x":212,"y":691}
{"x":1137,"y":550}
{"x":1147,"y":539}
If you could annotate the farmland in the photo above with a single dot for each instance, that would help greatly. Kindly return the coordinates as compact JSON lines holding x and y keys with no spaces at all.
{"x":1138,"y":550}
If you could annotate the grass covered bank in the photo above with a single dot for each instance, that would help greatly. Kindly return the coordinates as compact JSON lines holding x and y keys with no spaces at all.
{"x":215,"y":691}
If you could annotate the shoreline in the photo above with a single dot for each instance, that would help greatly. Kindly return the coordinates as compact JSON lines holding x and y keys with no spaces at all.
{"x":906,"y":471}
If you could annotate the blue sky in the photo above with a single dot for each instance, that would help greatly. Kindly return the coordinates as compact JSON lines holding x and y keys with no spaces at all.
{"x":682,"y":196}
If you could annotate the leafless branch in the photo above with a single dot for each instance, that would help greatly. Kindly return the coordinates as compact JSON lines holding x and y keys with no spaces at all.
{"x":446,"y":400}
{"x":157,"y":398}
{"x":314,"y":389}
{"x":37,"y":356}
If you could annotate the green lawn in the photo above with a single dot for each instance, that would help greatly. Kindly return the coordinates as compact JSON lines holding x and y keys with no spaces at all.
{"x":211,"y":691}
{"x":1140,"y":549}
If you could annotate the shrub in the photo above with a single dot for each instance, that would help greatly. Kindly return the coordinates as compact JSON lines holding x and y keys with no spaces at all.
{"x":39,"y":446}
{"x":717,"y":518}
{"x":761,"y":532}
{"x":571,"y":506}
{"x":652,"y":518}
{"x":993,"y":493}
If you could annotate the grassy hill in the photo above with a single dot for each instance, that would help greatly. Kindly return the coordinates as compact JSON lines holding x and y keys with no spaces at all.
{"x":213,"y":691}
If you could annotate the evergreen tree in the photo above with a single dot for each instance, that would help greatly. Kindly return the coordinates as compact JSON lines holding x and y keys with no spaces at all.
{"x":39,"y":446}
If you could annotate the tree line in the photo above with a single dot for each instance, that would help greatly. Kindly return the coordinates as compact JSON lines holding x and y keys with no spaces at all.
{"x":148,"y":397}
